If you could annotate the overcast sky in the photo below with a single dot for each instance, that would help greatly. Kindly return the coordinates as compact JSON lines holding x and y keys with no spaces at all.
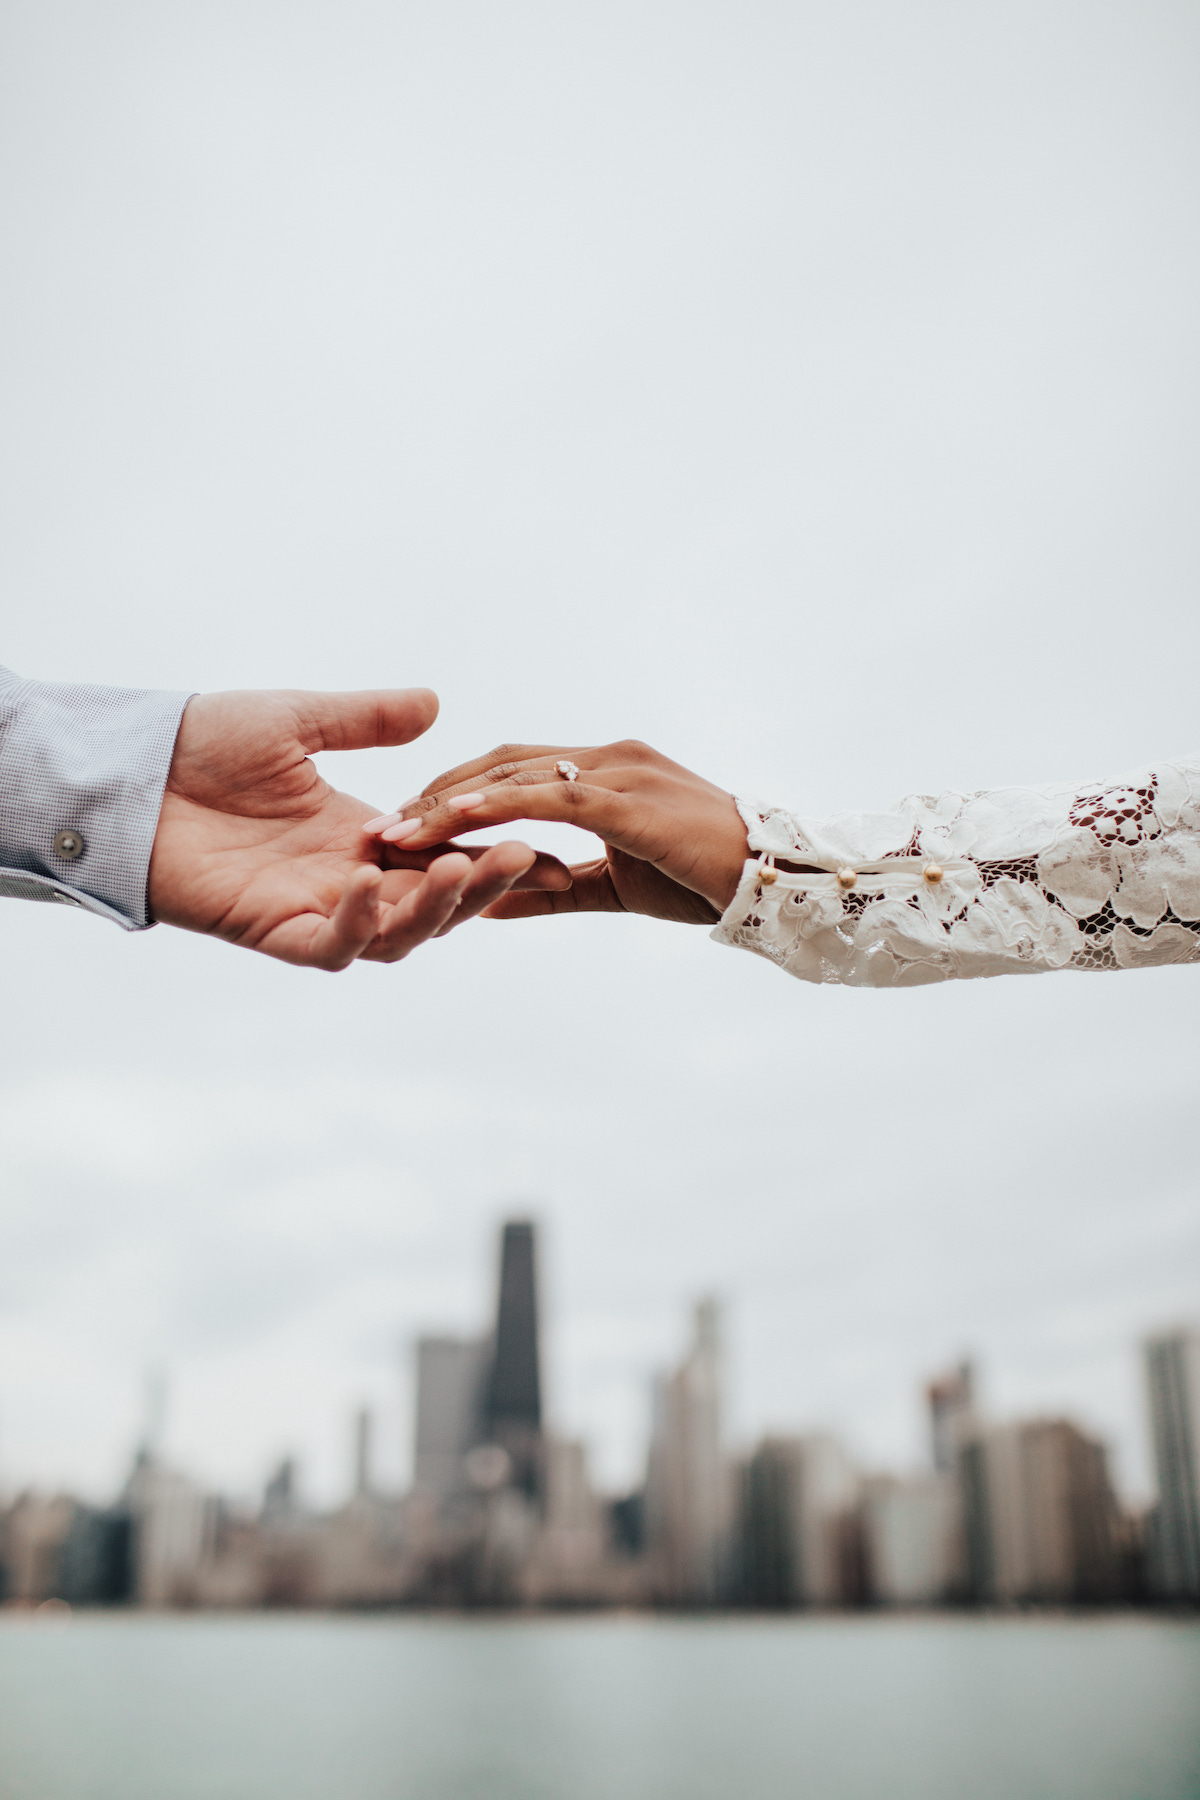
{"x":810,"y":390}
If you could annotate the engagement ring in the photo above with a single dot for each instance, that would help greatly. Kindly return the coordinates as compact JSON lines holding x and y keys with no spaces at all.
{"x":568,"y":770}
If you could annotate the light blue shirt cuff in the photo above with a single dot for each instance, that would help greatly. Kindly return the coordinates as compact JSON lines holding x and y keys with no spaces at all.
{"x":82,"y":774}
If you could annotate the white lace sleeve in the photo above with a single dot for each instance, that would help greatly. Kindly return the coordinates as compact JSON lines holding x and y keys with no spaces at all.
{"x":1016,"y":880}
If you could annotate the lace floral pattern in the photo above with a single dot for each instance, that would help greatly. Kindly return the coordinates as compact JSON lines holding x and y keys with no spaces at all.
{"x":1015,"y":880}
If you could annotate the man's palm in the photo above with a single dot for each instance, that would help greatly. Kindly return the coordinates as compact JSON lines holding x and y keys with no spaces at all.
{"x":255,"y":847}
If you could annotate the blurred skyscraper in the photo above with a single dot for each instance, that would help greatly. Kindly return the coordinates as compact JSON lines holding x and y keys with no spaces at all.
{"x":480,"y":1394}
{"x":362,"y":1453}
{"x":171,"y":1520}
{"x":951,"y":1413}
{"x":688,"y":1478}
{"x":481,"y":1459}
{"x":512,"y":1414}
{"x":912,"y":1539}
{"x":450,"y":1376}
{"x":799,"y":1528}
{"x":1173,"y":1379}
{"x":1040,"y":1516}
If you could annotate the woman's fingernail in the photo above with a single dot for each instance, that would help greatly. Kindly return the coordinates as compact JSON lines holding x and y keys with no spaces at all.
{"x":466,"y":802}
{"x":374,"y":825}
{"x":398,"y":834}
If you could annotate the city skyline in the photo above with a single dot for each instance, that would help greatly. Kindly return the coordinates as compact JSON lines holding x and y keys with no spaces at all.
{"x":393,"y":1419}
{"x":503,"y":1509}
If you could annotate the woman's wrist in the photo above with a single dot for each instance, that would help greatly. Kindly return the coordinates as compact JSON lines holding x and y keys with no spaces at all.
{"x":729,"y":848}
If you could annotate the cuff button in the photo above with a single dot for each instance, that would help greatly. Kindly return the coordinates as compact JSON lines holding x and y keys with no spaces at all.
{"x":69,"y":845}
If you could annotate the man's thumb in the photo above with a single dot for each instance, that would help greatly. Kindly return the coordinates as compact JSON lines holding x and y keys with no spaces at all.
{"x":363,"y":720}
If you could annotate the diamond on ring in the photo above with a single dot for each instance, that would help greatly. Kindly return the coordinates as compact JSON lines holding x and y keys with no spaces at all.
{"x":568,"y":770}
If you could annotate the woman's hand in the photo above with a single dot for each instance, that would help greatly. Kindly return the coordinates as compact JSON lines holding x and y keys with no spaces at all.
{"x":674,"y":843}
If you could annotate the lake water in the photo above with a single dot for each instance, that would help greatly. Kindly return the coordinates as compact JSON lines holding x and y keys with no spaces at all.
{"x":611,"y":1708}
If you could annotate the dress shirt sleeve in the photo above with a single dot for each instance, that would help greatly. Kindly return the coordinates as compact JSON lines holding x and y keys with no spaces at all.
{"x":1015,"y":880}
{"x":82,"y":773}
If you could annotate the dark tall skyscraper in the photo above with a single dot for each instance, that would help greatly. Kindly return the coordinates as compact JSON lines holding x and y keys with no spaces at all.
{"x":513,"y":1398}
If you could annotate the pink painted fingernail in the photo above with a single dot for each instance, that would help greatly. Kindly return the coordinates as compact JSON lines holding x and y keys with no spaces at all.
{"x":374,"y":825}
{"x":466,"y":802}
{"x":398,"y":834}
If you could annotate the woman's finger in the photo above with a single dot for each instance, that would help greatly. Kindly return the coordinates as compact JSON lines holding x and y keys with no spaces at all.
{"x":481,"y":765}
{"x":537,"y":795}
{"x":400,"y":825}
{"x":545,"y":871}
{"x":616,"y":883}
{"x":621,"y":766}
{"x":591,"y":890}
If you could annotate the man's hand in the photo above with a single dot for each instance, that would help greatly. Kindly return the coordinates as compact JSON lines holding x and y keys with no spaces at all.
{"x":674,"y":844}
{"x":254,"y":847}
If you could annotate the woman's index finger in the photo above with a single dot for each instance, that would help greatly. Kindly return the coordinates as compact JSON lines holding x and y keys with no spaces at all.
{"x":482,"y":765}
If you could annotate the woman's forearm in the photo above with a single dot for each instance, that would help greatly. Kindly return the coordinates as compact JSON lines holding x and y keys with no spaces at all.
{"x":1015,"y":880}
